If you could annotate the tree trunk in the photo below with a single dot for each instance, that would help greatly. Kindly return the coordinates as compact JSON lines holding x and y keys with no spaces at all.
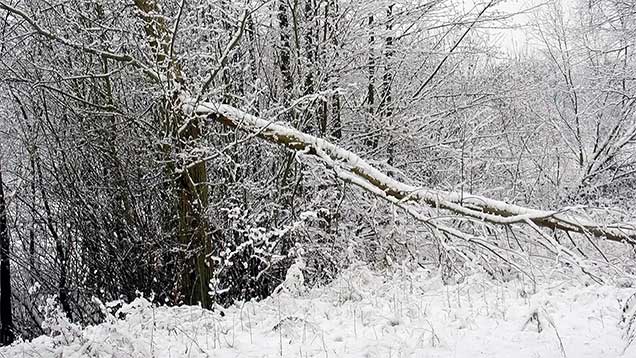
{"x":192,"y":185}
{"x":6,"y":318}
{"x":371,"y":139}
{"x":284,"y":52}
{"x":331,"y":22}
{"x":386,"y":104}
{"x":253,"y":56}
{"x":193,"y":232}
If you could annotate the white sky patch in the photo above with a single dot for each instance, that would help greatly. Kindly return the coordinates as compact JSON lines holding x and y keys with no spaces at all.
{"x":515,"y":34}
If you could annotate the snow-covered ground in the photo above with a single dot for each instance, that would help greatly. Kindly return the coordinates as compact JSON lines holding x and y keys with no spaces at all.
{"x":365,"y":314}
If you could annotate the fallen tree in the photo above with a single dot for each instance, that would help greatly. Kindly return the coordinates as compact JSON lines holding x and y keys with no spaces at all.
{"x":350,"y":167}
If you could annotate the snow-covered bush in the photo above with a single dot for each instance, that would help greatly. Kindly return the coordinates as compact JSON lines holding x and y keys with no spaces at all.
{"x":57,"y":325}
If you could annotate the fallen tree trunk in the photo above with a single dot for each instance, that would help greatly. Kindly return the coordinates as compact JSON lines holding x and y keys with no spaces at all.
{"x":352,"y":168}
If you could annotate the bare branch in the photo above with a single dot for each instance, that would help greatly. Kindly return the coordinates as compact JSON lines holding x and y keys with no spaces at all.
{"x":79,"y":46}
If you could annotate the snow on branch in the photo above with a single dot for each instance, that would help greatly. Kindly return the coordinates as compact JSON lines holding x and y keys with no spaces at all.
{"x":350,"y":167}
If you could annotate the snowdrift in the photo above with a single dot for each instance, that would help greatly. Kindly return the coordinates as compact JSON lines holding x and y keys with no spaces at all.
{"x":364,"y":314}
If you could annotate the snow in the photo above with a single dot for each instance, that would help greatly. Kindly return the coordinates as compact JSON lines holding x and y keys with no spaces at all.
{"x":364,"y":314}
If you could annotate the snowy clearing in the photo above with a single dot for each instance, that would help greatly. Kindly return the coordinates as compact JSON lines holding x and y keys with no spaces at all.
{"x":364,"y":314}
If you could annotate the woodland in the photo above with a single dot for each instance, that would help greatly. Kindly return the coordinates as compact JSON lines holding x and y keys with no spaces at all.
{"x":195,"y":152}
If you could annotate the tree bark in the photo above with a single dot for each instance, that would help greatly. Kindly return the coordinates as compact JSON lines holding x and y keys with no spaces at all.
{"x":191,"y":185}
{"x":386,"y":104}
{"x":371,"y":139}
{"x":331,"y":21}
{"x":284,"y":52}
{"x":6,"y":318}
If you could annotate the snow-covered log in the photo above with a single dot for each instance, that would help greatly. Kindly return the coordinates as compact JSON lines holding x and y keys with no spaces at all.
{"x":350,"y":167}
